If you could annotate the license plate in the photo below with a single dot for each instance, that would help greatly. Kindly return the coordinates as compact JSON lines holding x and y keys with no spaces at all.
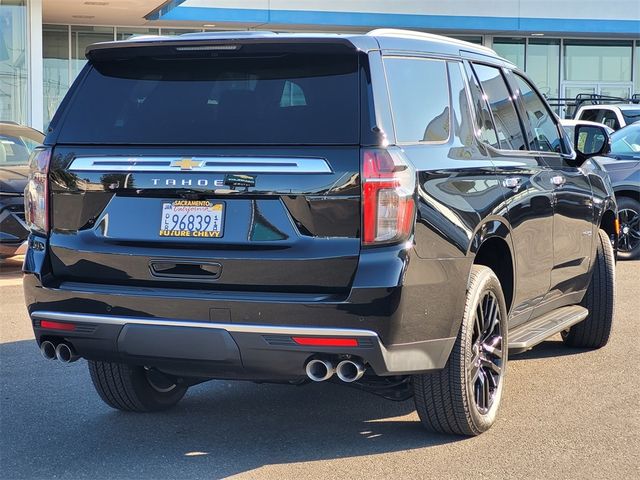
{"x":192,"y":218}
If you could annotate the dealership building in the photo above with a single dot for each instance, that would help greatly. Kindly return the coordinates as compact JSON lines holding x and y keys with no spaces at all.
{"x":566,"y":46}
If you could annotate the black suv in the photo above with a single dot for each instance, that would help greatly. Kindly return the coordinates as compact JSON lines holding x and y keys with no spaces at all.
{"x":397,"y":209}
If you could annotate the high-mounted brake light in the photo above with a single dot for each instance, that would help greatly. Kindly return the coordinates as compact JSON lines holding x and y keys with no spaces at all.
{"x":36,"y":193}
{"x":388,"y":205}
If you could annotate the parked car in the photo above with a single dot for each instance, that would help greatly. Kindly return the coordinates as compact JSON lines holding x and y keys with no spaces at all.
{"x":623,"y":168}
{"x":395,"y":209}
{"x":16,"y":144}
{"x":615,"y":116}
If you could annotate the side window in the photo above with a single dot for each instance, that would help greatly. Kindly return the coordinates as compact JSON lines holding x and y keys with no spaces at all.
{"x":419,"y":94}
{"x":504,"y":111}
{"x":590,"y":114}
{"x":543,"y":126}
{"x":484,"y":123}
{"x":610,"y":119}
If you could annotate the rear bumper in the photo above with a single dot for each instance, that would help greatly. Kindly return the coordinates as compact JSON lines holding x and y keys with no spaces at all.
{"x":405,"y":312}
{"x":223,"y":350}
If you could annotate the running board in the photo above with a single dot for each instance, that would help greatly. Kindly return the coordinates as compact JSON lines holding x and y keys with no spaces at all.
{"x":529,"y":334}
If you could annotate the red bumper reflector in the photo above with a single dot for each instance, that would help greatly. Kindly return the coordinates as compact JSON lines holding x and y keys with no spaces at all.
{"x":57,"y":325}
{"x":326,"y":342}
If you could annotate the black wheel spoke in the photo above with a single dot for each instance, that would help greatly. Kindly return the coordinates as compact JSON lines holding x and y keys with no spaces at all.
{"x":485,"y":368}
{"x":489,"y":364}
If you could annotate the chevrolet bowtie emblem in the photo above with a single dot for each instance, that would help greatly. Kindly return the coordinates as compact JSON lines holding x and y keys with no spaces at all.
{"x":187,"y":163}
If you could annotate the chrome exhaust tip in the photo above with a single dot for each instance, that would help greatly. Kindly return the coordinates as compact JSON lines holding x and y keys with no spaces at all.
{"x":65,"y":353}
{"x":350,"y":370}
{"x":319,"y":370}
{"x":48,"y":350}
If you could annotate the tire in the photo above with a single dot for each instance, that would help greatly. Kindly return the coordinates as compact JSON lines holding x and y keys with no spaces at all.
{"x":133,"y":388}
{"x":449,"y":401}
{"x":594,"y":331}
{"x":629,"y":238}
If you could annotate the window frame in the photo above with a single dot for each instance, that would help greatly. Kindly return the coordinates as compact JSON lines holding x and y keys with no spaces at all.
{"x":414,"y":56}
{"x":468,"y":72}
{"x":518,"y":99}
{"x":501,"y":71}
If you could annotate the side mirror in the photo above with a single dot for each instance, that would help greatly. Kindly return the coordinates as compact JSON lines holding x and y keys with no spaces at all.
{"x":590,"y":140}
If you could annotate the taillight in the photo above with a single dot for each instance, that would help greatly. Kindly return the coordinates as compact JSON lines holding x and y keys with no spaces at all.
{"x":36,"y":193}
{"x":388,"y":205}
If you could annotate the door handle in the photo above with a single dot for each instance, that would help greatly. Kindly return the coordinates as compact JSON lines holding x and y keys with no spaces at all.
{"x":558,"y":180}
{"x":512,"y":182}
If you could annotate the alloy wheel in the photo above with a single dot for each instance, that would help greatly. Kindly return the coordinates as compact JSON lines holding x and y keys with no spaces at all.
{"x":629,"y":237}
{"x":486,"y":368}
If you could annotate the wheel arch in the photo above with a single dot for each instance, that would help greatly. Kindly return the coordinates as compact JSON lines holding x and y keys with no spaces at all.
{"x":492,"y":247}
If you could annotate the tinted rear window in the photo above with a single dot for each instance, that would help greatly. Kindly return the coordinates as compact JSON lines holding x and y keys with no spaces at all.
{"x":284,"y":98}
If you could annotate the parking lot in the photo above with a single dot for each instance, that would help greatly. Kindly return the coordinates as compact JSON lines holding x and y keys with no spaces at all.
{"x":566,"y":414}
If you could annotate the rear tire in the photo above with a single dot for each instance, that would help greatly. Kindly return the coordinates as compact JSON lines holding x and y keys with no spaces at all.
{"x":629,"y":237}
{"x":464,"y":397}
{"x":133,"y":388}
{"x":594,"y":331}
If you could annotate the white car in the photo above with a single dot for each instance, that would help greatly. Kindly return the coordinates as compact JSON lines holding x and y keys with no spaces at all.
{"x":614,"y":116}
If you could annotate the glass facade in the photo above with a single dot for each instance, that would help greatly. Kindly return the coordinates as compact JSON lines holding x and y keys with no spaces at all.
{"x":560,"y":67}
{"x":513,"y":49}
{"x":81,"y":38}
{"x":14,"y":99}
{"x":543,"y":65}
{"x":597,"y":61}
{"x":56,"y":67}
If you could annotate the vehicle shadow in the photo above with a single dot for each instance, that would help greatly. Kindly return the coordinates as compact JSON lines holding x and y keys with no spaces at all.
{"x":219,"y":429}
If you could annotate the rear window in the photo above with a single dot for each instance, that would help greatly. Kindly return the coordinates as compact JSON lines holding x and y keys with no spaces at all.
{"x":284,"y":98}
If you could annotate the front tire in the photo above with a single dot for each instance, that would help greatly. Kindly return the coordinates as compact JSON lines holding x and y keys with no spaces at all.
{"x":595,"y":330}
{"x":133,"y":388}
{"x":464,"y":397}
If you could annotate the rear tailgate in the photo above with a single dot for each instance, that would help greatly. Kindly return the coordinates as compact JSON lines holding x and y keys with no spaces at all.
{"x":237,"y":172}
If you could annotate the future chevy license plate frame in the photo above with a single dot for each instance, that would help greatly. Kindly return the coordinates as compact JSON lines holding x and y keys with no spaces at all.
{"x":192,"y":218}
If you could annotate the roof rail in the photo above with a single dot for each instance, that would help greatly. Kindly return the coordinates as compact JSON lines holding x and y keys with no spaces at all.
{"x":398,"y":32}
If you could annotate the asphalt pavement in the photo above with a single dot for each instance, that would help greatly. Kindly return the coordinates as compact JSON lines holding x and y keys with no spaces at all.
{"x":566,"y":413}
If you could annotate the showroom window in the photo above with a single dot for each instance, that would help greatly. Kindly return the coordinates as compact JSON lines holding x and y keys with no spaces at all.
{"x":81,"y":38}
{"x":597,"y":60}
{"x":13,"y":61}
{"x":543,"y":65}
{"x":56,"y":67}
{"x":513,"y":49}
